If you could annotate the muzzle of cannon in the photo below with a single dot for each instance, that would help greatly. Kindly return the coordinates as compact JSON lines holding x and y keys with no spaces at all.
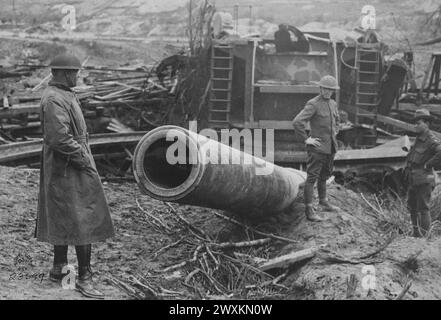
{"x":243,"y":184}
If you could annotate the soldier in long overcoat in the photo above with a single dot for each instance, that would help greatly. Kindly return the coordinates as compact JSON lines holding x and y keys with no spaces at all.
{"x":72,"y":207}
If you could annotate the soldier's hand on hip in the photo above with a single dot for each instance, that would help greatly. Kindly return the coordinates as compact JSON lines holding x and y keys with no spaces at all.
{"x":315,"y":142}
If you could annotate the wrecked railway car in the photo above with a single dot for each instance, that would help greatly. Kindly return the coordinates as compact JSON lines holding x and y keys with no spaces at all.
{"x":254,"y":87}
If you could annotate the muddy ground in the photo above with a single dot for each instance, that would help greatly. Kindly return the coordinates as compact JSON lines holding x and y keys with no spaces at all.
{"x":352,"y":237}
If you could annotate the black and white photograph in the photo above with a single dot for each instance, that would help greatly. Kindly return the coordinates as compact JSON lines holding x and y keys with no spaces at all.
{"x":242,"y":153}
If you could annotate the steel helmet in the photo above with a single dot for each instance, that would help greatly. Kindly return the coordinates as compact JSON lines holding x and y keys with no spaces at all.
{"x":329,"y":82}
{"x":66,"y":62}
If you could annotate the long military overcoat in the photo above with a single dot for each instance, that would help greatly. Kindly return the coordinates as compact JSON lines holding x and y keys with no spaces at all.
{"x":72,"y":207}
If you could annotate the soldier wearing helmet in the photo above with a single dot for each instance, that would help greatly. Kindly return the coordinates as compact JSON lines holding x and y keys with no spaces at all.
{"x":321,"y":144}
{"x":72,"y":207}
{"x":423,"y":157}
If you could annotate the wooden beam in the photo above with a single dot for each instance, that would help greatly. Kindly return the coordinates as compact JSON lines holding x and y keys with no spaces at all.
{"x":384,"y":119}
{"x":370,"y":154}
{"x":275,"y":124}
{"x":390,"y":121}
{"x":435,"y":108}
{"x":398,"y":123}
{"x":19,"y":109}
{"x":286,"y":260}
{"x":274,"y":88}
{"x":297,"y":53}
{"x":28,"y":125}
{"x":357,"y":155}
{"x":9,"y":153}
{"x":402,"y":142}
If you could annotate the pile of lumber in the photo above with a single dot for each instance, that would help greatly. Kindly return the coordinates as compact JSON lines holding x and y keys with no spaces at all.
{"x":99,"y":88}
{"x":14,"y":73}
{"x":123,"y":89}
{"x":109,"y":84}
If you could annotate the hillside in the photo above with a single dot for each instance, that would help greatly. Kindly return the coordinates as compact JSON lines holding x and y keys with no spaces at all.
{"x":400,"y":23}
{"x":139,"y":17}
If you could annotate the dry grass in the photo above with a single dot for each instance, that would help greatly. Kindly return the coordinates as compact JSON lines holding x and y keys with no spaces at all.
{"x":212,"y":270}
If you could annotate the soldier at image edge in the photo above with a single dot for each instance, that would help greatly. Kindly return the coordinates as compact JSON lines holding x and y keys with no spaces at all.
{"x":322,"y":114}
{"x":72,"y":207}
{"x":421,"y":177}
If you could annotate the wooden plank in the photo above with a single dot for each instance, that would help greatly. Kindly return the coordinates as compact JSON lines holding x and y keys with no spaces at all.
{"x":286,"y":260}
{"x":435,"y":108}
{"x":296,"y":53}
{"x":25,"y":150}
{"x":29,"y":125}
{"x":357,"y":155}
{"x":113,"y":95}
{"x":393,"y":122}
{"x":370,"y":154}
{"x":384,"y":119}
{"x":299,"y":158}
{"x":133,"y":103}
{"x":266,"y":88}
{"x":19,"y":109}
{"x":275,"y":124}
{"x":402,"y":142}
{"x":398,"y":123}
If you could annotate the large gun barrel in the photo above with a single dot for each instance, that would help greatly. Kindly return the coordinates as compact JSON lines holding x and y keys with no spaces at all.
{"x":194,"y":178}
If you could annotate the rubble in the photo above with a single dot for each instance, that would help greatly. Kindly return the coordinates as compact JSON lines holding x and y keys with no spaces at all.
{"x":106,"y":95}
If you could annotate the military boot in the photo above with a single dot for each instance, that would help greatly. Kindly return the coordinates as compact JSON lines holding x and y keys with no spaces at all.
{"x":311,"y":215}
{"x":326,"y":206}
{"x":323,"y":201}
{"x":85,"y":285}
{"x":416,"y":232}
{"x":425,"y":223}
{"x":414,"y":217}
{"x":56,"y":274}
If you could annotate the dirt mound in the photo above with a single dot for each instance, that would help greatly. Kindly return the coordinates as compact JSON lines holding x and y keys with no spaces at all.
{"x":173,"y":250}
{"x":366,"y":235}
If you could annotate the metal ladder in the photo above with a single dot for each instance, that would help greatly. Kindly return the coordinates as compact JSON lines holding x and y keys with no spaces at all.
{"x":221,"y":86}
{"x":367,"y":63}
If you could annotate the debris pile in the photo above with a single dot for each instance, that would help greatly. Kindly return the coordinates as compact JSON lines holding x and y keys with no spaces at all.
{"x":217,"y":256}
{"x":119,"y":100}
